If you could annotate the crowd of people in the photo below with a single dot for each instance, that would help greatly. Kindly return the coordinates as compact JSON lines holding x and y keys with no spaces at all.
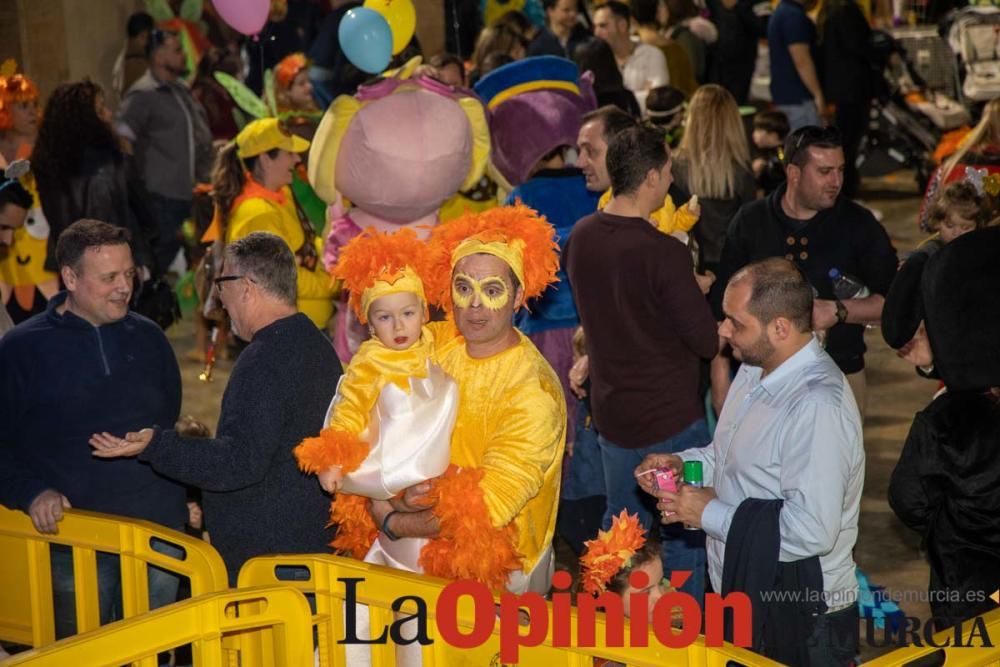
{"x":480,"y":317}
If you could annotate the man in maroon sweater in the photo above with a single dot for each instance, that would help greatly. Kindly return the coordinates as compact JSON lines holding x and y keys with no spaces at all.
{"x":647,"y":324}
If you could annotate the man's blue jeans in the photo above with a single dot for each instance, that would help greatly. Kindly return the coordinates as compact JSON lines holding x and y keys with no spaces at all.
{"x":800,"y":115}
{"x":162,"y":586}
{"x":681,"y":549}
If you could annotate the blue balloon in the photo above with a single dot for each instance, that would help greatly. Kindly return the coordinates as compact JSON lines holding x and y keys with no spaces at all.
{"x":366,"y":39}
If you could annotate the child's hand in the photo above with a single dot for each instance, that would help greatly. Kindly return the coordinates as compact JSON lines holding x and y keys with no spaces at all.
{"x":195,"y":515}
{"x":331,"y":479}
{"x":578,"y":375}
{"x":705,"y":281}
{"x":694,"y":208}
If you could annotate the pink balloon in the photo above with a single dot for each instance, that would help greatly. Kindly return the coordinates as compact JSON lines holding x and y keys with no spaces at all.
{"x":245,"y":16}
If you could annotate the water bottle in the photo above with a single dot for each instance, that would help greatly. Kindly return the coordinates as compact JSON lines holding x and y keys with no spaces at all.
{"x":847,"y":287}
{"x":693,"y":476}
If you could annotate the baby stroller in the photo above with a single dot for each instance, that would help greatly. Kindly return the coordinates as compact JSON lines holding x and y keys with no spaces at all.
{"x":974,"y":36}
{"x":897,"y":136}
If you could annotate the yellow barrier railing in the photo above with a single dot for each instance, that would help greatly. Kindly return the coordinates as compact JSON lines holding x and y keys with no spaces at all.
{"x":959,"y":647}
{"x":203,"y":622}
{"x":26,"y":604}
{"x":382,"y":586}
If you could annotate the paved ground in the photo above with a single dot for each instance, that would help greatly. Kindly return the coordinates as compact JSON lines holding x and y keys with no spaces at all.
{"x":886,"y":550}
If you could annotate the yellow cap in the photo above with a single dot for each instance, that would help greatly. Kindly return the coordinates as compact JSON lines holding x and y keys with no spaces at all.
{"x":267,"y":134}
{"x":391,"y":282}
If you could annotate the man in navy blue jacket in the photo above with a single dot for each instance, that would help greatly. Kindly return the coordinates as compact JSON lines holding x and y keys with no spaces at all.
{"x":82,"y":365}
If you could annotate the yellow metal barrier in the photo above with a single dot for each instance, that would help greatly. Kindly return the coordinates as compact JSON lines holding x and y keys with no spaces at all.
{"x":204,"y":622}
{"x":26,"y":608}
{"x":965,"y":649}
{"x":381,"y":586}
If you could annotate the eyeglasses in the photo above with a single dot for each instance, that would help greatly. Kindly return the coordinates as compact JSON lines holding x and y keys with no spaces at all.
{"x":224,"y":279}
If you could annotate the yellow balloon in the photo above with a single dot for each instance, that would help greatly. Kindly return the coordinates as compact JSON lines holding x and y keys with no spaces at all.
{"x":402,"y":19}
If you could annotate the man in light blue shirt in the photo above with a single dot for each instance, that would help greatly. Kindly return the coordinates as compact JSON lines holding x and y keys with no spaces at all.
{"x":790,"y":430}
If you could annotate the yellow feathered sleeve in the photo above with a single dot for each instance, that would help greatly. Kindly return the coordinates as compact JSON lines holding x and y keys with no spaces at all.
{"x":668,"y":218}
{"x":468,"y":546}
{"x":339,"y":443}
{"x":527,"y":444}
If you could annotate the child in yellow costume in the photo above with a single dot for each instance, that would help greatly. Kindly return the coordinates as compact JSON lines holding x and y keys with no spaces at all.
{"x":668,"y":218}
{"x":390,"y":423}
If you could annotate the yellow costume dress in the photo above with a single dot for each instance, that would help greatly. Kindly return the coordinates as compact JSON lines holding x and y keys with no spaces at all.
{"x":402,"y":407}
{"x":258,"y":209}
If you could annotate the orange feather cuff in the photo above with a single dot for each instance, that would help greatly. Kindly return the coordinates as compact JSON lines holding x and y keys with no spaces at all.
{"x":331,"y":448}
{"x":356,"y":532}
{"x":468,"y":546}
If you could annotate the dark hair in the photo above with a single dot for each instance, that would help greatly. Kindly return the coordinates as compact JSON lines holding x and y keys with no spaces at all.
{"x":797,"y":143}
{"x":778,"y":289}
{"x":157,"y":38}
{"x":189,"y":427}
{"x":517,"y":20}
{"x":494,"y":61}
{"x":596,"y":56}
{"x":633,"y":153}
{"x":645,"y":11}
{"x":680,"y":10}
{"x":772,"y":121}
{"x":664,"y":104}
{"x":70,"y":130}
{"x":499,"y":38}
{"x":444,"y":60}
{"x":649,"y":552}
{"x":139,"y":23}
{"x":83,"y":234}
{"x":613,"y":119}
{"x":619,"y":9}
{"x":268,"y":261}
{"x":962,"y":199}
{"x":229,"y":174}
{"x":12,"y":192}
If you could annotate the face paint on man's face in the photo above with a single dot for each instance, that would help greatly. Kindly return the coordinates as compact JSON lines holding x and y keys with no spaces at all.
{"x":491,"y":292}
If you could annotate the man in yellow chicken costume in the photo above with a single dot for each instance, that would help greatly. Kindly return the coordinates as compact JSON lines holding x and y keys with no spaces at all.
{"x":509,"y":435}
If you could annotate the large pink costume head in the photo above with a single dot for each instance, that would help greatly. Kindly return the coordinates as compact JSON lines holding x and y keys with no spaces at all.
{"x":398,"y":149}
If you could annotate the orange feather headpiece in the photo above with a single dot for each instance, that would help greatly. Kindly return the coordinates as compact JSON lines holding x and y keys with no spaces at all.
{"x":14,"y":88}
{"x":610,"y":552}
{"x":289,"y":68}
{"x":375,"y":264}
{"x":518,"y":235}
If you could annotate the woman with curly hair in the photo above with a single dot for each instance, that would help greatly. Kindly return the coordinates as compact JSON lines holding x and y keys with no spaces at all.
{"x":82,"y":172}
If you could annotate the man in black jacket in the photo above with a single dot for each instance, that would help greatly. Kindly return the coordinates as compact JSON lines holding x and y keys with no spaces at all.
{"x":256,"y":500}
{"x":810,"y":223}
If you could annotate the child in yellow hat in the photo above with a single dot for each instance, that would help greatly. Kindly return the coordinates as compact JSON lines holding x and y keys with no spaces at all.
{"x":390,"y":424}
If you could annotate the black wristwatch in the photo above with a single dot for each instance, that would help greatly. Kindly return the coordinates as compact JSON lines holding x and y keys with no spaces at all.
{"x":841,"y":311}
{"x":385,"y":527}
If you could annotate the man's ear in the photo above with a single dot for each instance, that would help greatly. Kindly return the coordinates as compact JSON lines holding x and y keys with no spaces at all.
{"x":782,"y":328}
{"x":519,"y":297}
{"x":69,"y":278}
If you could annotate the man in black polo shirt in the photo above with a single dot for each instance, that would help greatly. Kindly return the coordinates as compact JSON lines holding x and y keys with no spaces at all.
{"x":807,"y":221}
